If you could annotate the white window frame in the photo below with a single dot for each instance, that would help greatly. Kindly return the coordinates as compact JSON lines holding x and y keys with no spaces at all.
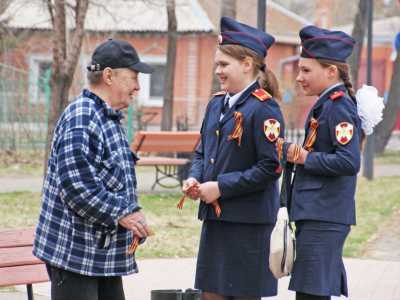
{"x":144,"y":81}
{"x":34,"y":60}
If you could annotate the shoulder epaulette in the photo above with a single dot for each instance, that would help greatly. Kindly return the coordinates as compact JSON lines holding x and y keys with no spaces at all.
{"x":261,"y":94}
{"x":220,"y":93}
{"x":336,"y":95}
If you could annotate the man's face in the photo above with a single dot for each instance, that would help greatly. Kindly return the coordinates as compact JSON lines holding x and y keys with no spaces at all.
{"x":124,"y":87}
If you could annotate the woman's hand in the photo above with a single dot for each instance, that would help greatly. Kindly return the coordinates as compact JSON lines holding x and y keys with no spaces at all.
{"x":191,"y":188}
{"x":209,"y":191}
{"x":296,"y":154}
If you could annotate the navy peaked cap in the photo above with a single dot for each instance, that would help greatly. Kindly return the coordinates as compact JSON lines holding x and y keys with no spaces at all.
{"x":325,"y":44}
{"x":234,"y":32}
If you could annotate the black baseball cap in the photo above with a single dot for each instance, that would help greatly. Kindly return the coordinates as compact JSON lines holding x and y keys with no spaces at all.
{"x":117,"y":54}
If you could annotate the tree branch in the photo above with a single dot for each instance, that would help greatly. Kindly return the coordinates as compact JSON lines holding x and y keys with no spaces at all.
{"x":60,"y":41}
{"x":50,"y":8}
{"x":77,"y":38}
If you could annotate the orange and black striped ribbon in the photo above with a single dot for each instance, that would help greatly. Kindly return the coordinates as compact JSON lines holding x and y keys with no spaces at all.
{"x":217,"y":207}
{"x":133,"y":246}
{"x":312,"y":135}
{"x":279,"y":149}
{"x":238,"y":130}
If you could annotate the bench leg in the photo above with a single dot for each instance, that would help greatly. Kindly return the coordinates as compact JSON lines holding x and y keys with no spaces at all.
{"x":29,"y":291}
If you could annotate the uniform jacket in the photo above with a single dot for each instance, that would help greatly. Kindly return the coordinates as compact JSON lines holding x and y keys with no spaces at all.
{"x":90,"y":184}
{"x":324,"y":186}
{"x":246,"y":174}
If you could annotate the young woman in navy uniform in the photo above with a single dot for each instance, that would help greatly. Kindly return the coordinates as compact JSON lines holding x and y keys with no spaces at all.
{"x":236,"y":169}
{"x":322,"y":196}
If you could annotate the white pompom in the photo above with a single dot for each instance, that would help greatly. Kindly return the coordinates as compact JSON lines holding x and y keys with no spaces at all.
{"x":370,"y":108}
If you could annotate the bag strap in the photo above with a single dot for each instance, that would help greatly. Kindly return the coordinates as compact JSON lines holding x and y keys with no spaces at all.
{"x":286,"y":186}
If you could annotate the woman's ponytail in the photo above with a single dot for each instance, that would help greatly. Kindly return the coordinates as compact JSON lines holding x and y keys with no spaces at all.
{"x":269,"y":82}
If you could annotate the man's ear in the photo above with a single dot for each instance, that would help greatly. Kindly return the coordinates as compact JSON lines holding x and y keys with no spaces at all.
{"x":107,"y":76}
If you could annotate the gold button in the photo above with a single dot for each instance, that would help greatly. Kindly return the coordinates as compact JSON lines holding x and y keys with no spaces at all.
{"x":217,"y":132}
{"x":212,"y":160}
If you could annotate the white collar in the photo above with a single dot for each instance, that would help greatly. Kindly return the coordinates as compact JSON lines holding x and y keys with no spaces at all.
{"x":234,"y":98}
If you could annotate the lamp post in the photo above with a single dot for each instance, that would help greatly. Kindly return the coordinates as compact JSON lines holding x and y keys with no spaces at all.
{"x":261,"y":14}
{"x":368,"y":171}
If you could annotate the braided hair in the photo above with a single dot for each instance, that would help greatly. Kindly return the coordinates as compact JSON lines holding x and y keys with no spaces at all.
{"x":344,"y":74}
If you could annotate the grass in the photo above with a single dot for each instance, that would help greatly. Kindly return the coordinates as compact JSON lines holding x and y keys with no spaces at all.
{"x":177,"y":232}
{"x":388,"y":157}
{"x":376,"y":201}
{"x":25,"y":163}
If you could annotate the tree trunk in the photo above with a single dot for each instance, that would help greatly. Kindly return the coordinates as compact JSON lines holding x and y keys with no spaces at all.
{"x":65,"y":59}
{"x":167,"y":113}
{"x":384,"y":129}
{"x":228,"y":9}
{"x":359,"y":29}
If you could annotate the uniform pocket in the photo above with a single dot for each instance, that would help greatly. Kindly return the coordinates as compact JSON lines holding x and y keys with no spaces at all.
{"x":112,"y":174}
{"x":309,"y":185}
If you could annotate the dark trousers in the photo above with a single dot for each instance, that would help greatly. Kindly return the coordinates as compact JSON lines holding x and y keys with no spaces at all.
{"x":67,"y":285}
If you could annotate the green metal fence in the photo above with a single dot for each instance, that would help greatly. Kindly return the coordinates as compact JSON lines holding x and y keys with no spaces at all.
{"x":24,"y":109}
{"x":25,"y":106}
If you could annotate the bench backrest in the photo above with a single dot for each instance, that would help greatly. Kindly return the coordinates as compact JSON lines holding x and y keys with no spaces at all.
{"x":165,"y":141}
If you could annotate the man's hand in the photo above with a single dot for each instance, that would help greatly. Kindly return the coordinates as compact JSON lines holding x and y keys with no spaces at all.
{"x":209,"y":191}
{"x":136,"y":222}
{"x":191,"y":188}
{"x":298,"y":156}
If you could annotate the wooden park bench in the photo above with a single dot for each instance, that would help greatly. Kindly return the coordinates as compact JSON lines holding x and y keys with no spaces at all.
{"x":17,"y":263}
{"x":153,"y":143}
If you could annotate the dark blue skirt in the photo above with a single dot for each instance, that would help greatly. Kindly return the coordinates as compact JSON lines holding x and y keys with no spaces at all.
{"x":233,"y":260}
{"x":318,"y":268}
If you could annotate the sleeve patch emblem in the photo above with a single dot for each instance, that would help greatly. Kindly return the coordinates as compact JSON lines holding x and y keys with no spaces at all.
{"x":272,"y":129}
{"x":344,"y":132}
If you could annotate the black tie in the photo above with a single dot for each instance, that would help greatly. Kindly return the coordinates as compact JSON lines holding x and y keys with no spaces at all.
{"x":226,"y":107}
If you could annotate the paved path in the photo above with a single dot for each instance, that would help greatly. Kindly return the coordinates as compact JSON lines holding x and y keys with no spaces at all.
{"x":385,"y":245}
{"x":368,"y":280}
{"x":145,"y":180}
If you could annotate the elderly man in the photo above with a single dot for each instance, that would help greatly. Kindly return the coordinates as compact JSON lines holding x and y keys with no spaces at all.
{"x":90,"y":212}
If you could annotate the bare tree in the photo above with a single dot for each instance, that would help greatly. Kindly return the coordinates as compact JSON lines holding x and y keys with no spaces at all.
{"x":66,"y":51}
{"x":227,"y":9}
{"x":359,"y":29}
{"x":385,"y":128}
{"x":167,"y":113}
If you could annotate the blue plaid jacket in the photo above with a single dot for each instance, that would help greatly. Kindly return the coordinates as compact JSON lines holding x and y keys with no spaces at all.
{"x":90,"y":184}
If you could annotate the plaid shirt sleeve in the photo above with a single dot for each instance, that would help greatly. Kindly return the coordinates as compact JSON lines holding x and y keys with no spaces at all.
{"x":81,"y":188}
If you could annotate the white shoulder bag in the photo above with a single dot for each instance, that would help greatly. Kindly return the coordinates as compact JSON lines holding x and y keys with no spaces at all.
{"x":283,"y":243}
